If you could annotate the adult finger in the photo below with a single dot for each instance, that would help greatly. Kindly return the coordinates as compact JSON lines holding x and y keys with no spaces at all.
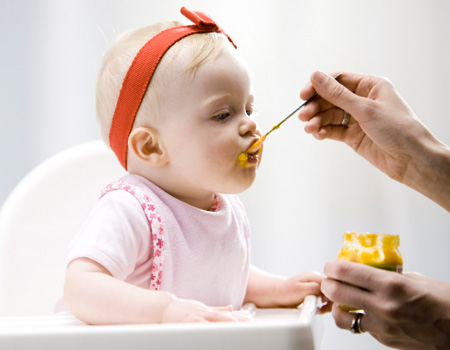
{"x":331,"y":117}
{"x":360,"y":275}
{"x":351,"y":134}
{"x":335,"y":92}
{"x":337,"y":133}
{"x":345,"y":294}
{"x":344,"y":319}
{"x":308,"y":89}
{"x":318,"y":105}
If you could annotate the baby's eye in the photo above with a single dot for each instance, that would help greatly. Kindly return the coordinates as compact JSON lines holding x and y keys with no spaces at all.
{"x":222,"y":116}
{"x":249,"y":112}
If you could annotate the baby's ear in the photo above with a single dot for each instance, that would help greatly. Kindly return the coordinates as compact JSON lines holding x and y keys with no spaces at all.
{"x":145,"y":144}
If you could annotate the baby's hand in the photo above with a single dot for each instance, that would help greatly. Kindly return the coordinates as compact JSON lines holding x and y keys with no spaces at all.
{"x":292,"y":291}
{"x":184,"y":310}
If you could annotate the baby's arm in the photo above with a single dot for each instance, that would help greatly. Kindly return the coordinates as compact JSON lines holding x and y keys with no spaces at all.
{"x":95,"y":297}
{"x":267,"y":290}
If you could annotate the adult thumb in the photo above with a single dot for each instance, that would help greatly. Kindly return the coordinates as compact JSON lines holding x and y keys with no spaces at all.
{"x":332,"y":91}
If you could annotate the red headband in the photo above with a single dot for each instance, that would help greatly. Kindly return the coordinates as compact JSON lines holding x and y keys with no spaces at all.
{"x":140,"y":73}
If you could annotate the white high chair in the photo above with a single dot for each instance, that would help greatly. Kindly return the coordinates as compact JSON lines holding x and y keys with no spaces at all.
{"x":37,"y":222}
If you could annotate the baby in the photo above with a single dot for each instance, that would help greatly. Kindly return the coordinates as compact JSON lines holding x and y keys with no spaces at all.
{"x":170,"y":241}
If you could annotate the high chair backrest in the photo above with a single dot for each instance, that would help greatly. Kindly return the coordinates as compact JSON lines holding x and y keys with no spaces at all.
{"x":38,"y":220}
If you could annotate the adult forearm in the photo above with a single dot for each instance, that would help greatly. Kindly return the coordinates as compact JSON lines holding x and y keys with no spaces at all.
{"x":429,"y":170}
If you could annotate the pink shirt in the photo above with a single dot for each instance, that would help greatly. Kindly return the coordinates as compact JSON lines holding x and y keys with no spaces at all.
{"x":206,"y":254}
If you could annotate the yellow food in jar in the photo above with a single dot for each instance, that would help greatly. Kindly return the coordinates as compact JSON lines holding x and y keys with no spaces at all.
{"x":377,"y":250}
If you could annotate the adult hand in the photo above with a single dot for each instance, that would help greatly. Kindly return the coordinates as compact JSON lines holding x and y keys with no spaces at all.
{"x":382,"y":129}
{"x":408,"y":311}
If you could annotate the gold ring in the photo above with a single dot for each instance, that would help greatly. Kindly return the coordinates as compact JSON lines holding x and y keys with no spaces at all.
{"x":355,"y":328}
{"x":346,"y":119}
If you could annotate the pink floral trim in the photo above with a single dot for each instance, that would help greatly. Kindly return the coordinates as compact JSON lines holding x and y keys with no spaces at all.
{"x":155,"y":222}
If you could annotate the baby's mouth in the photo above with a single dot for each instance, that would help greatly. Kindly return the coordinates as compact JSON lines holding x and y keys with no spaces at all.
{"x":252,"y":155}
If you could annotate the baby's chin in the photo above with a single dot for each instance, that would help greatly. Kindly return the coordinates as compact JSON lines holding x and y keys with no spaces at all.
{"x":243,"y":185}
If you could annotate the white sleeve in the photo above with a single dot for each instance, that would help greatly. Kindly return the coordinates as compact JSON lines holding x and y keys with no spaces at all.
{"x":115,"y":235}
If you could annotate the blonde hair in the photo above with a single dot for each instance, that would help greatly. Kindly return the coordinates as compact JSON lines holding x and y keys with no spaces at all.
{"x":192,"y":51}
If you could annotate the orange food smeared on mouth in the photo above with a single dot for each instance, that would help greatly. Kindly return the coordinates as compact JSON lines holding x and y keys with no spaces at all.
{"x":254,"y":150}
{"x":243,"y":159}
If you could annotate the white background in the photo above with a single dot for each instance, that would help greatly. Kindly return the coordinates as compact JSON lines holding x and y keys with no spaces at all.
{"x":307,"y":192}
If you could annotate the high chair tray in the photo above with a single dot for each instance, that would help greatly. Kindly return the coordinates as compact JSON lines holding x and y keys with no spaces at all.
{"x":281,"y":329}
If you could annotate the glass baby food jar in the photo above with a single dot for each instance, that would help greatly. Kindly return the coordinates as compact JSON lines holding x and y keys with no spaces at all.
{"x":377,"y":250}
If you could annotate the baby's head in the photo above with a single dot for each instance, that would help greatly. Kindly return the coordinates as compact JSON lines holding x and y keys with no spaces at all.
{"x":115,"y":66}
{"x":194,"y":115}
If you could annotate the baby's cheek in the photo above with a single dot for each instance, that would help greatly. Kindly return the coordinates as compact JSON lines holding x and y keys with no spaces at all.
{"x":220,"y":157}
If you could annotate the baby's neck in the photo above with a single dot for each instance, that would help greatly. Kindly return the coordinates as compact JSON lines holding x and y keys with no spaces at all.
{"x":201,"y":202}
{"x":198,"y":198}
